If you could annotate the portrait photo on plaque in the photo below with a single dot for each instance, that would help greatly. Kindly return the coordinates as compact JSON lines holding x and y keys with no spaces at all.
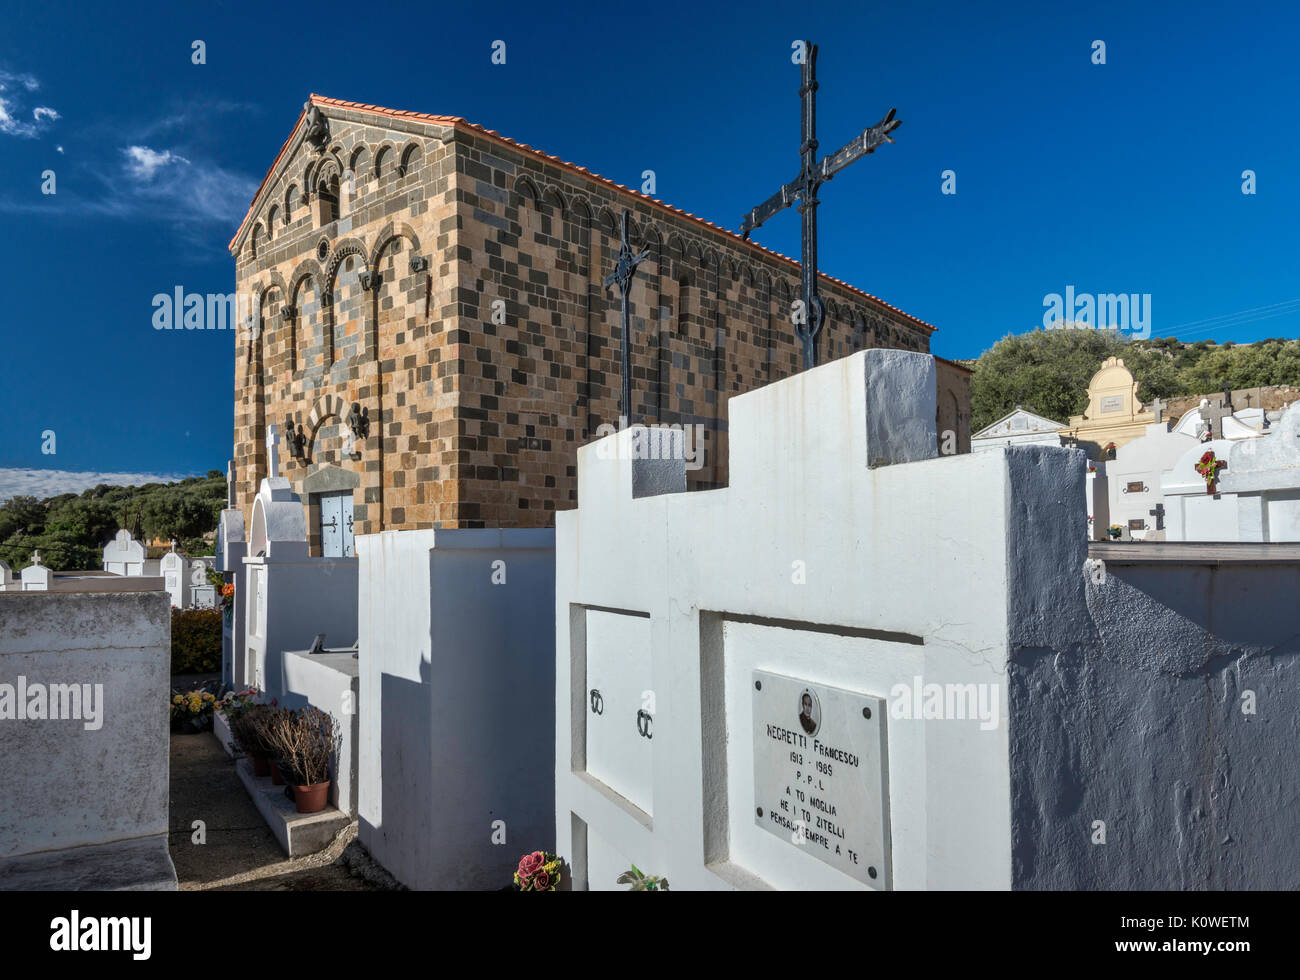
{"x":810,"y":712}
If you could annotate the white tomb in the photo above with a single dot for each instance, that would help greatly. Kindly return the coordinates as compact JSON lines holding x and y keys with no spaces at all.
{"x":1263,"y":479}
{"x":124,"y":555}
{"x":7,"y":583}
{"x":174,"y":570}
{"x":1136,"y":500}
{"x":201,"y":593}
{"x":844,"y":561}
{"x":1193,"y":513}
{"x":230,"y":550}
{"x":36,"y":577}
{"x":1017,"y":428}
{"x":457,"y":684}
{"x":290,"y":596}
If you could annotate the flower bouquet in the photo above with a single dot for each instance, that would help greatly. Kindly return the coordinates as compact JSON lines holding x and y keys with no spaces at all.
{"x":1208,"y":466}
{"x":192,"y":711}
{"x":538,"y":872}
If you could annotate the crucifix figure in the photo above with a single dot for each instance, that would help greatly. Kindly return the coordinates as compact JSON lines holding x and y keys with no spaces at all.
{"x":272,"y":451}
{"x":623,"y":274}
{"x":812,"y":174}
{"x":1159,"y":407}
{"x":1214,"y":415}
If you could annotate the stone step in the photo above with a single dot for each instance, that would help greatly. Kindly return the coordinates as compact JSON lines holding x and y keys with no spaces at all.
{"x":298,"y":833}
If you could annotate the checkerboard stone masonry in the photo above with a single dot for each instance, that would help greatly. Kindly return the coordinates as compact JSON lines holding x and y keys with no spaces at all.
{"x":381,"y":289}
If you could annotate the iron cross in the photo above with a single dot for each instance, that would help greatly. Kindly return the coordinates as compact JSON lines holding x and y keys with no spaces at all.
{"x":812,"y":174}
{"x":623,"y":274}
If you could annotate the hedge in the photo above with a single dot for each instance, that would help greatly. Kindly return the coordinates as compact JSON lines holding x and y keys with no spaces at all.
{"x":196,"y":641}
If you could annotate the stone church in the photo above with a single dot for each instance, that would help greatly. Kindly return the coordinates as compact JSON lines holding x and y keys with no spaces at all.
{"x":433,"y":340}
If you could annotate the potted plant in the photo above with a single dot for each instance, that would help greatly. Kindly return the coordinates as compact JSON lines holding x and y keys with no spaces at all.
{"x":538,"y":872}
{"x":1115,"y":530}
{"x":303,"y":744}
{"x":1208,"y":466}
{"x":641,"y":882}
{"x":247,"y":732}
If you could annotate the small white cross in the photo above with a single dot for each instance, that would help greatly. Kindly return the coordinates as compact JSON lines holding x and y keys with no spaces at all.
{"x":36,"y":557}
{"x":173,"y":544}
{"x":1159,"y":407}
{"x":272,"y":451}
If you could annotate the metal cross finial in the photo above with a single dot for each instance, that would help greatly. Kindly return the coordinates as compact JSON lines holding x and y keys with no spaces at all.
{"x":812,"y":174}
{"x":622,"y":276}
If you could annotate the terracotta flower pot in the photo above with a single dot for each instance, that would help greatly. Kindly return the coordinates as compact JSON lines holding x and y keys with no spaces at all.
{"x":261,"y":765}
{"x":311,"y":799}
{"x":276,"y":778}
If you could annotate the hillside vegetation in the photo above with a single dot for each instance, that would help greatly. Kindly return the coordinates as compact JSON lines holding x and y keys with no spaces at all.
{"x":1047,"y":371}
{"x":71,"y":530}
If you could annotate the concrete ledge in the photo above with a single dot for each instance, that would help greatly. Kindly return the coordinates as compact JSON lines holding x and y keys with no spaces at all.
{"x":141,"y":864}
{"x":298,"y":833}
{"x":221,"y":729}
{"x":1195,"y":552}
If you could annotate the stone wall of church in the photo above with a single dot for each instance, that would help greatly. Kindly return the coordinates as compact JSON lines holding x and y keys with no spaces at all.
{"x":486,"y":363}
{"x":710,"y":318}
{"x":346,"y":318}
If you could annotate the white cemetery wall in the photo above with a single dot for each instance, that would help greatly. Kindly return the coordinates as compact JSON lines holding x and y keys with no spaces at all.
{"x":457,"y":688}
{"x":1173,"y":740}
{"x":85,"y":798}
{"x":287,"y":603}
{"x":851,"y":581}
{"x":329,"y":681}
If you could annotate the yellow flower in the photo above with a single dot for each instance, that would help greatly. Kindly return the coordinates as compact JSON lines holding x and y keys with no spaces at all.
{"x":178,"y":699}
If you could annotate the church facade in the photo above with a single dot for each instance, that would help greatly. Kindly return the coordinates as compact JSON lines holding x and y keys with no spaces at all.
{"x":433,"y":340}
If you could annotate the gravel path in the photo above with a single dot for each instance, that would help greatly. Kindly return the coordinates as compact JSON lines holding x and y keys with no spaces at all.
{"x":240,"y":853}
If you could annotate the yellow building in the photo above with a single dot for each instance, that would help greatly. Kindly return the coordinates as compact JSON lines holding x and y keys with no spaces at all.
{"x":1114,"y":414}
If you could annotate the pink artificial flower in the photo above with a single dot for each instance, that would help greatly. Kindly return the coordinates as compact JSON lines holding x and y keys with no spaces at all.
{"x":530,"y":864}
{"x":542,"y":881}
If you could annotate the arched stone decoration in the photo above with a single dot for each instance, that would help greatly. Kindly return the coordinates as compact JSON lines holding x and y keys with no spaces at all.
{"x":279,"y":526}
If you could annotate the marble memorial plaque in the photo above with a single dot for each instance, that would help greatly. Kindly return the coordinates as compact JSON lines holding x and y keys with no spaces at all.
{"x":1112,"y":403}
{"x":819,"y":773}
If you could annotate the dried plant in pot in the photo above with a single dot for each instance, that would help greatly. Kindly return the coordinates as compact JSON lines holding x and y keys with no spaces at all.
{"x":246,"y":730}
{"x":303,"y":743}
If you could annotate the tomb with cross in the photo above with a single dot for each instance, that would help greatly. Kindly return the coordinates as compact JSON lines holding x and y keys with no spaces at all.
{"x":814,"y":172}
{"x":1213,"y":416}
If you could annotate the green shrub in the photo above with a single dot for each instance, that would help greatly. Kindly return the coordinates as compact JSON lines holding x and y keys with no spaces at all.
{"x":196,"y":641}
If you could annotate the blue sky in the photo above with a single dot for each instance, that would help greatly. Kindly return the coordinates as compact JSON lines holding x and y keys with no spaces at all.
{"x":1122,"y":177}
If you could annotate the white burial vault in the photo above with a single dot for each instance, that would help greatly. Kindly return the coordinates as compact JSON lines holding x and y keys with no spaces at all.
{"x":739,"y":672}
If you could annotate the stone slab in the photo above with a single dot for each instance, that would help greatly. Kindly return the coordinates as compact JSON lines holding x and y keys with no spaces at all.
{"x":140,"y":864}
{"x":298,"y":833}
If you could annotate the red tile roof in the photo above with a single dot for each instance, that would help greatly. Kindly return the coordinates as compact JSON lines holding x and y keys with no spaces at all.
{"x":457,"y":121}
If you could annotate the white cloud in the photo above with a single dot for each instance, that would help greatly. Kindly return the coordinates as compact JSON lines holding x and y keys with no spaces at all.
{"x":12,"y":110}
{"x":142,"y":162}
{"x":51,"y":483}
